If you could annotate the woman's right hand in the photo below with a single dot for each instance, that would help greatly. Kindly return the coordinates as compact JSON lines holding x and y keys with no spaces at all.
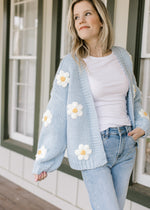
{"x":41,"y":176}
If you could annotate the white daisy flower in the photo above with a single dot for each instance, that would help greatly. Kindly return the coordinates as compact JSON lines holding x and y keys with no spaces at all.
{"x":75,"y":110}
{"x":134,"y":91}
{"x":143,"y":114}
{"x":83,"y":152}
{"x":63,"y":78}
{"x":47,"y":117}
{"x":41,"y":153}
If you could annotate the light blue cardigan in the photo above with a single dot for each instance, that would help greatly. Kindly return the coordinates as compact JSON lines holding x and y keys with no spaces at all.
{"x":71,"y":122}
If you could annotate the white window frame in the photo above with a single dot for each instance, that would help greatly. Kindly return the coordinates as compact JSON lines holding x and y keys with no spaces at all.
{"x":12,"y":133}
{"x":140,"y":175}
{"x":144,"y":53}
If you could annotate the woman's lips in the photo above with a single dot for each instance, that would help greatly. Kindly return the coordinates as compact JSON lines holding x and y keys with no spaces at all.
{"x":84,"y":27}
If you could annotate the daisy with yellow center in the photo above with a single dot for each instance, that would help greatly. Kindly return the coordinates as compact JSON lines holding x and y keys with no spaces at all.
{"x":143,"y":114}
{"x":74,"y":110}
{"x":41,"y":153}
{"x":83,"y":152}
{"x":47,"y":117}
{"x":63,"y":78}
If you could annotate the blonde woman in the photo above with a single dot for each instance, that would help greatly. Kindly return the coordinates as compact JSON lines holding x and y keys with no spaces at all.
{"x":94,"y":110}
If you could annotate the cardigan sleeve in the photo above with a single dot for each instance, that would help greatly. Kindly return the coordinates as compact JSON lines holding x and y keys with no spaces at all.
{"x":53,"y":138}
{"x":141,"y":117}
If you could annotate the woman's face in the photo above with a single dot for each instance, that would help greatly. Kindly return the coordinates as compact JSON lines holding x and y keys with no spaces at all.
{"x":87,"y":21}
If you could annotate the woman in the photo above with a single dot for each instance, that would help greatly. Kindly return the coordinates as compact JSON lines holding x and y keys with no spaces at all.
{"x":94,"y":111}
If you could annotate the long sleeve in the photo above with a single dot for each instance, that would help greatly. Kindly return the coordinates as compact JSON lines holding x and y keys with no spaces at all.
{"x":53,"y":138}
{"x":141,"y":117}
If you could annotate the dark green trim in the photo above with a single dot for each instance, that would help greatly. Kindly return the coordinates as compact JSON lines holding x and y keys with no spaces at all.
{"x":110,"y":8}
{"x":38,"y":76}
{"x":135,"y":30}
{"x":139,"y":194}
{"x":5,"y":72}
{"x":55,"y":39}
{"x":6,"y":142}
{"x":65,"y":167}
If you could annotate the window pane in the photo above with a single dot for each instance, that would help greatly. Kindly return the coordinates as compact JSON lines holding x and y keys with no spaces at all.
{"x":20,"y":96}
{"x":22,"y":76}
{"x":30,"y":43}
{"x":18,"y":16}
{"x":17,"y":45}
{"x":20,"y":120}
{"x":147,"y":162}
{"x":24,"y":28}
{"x":31,"y":14}
{"x":29,"y":123}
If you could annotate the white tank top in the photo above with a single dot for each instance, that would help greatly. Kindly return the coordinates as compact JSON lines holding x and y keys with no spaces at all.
{"x":109,"y":87}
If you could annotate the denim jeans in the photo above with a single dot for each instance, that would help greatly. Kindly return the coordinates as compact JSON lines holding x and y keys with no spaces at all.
{"x":107,"y":185}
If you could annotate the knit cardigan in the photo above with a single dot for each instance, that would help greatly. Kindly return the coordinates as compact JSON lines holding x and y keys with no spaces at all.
{"x":70,"y":120}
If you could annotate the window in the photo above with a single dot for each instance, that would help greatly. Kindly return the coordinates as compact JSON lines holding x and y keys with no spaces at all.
{"x":143,"y":158}
{"x":22,"y":28}
{"x":22,"y":69}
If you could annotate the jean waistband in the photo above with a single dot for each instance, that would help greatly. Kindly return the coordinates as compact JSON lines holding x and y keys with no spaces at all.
{"x":117,"y":130}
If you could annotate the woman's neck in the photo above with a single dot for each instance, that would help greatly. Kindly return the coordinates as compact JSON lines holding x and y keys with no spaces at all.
{"x":96,"y":49}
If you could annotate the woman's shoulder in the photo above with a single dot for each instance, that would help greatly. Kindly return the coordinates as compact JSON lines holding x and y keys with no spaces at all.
{"x":68,"y":59}
{"x":122,"y":50}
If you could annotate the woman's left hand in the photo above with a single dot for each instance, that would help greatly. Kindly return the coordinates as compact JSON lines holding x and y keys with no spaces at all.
{"x":136,"y":133}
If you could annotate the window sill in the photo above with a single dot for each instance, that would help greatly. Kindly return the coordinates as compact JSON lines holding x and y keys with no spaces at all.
{"x":139,"y":194}
{"x":18,"y":147}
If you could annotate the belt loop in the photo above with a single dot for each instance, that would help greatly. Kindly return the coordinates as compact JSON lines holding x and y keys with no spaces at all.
{"x":119,"y":131}
{"x":127,"y":129}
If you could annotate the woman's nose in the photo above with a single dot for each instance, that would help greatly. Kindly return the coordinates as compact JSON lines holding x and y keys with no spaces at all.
{"x":82,"y":19}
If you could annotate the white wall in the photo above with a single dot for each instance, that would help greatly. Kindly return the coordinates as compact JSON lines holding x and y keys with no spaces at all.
{"x":121,"y":22}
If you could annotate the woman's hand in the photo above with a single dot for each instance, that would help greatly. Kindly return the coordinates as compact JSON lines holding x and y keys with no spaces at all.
{"x":136,"y":133}
{"x":41,"y":176}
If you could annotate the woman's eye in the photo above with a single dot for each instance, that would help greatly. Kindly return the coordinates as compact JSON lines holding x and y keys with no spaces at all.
{"x":87,"y":13}
{"x":76,"y":17}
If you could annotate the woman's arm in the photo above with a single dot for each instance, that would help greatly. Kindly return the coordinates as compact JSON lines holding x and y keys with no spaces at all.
{"x":53,"y":137}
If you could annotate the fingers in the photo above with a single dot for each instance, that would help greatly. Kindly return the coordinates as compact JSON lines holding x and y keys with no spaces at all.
{"x":39,"y":177}
{"x":136,"y":133}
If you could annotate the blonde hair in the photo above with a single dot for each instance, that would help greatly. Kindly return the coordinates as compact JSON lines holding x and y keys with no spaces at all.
{"x":79,"y":47}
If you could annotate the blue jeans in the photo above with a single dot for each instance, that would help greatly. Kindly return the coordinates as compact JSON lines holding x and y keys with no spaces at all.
{"x":108,"y":185}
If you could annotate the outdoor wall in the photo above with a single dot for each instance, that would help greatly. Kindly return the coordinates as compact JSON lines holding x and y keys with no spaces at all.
{"x":121,"y":22}
{"x":60,"y":189}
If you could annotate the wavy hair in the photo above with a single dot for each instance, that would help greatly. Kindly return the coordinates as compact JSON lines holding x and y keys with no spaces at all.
{"x":79,"y":47}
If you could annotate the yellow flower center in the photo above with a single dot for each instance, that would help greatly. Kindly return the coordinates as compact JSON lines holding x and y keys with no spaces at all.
{"x":45,"y":118}
{"x":145,"y":113}
{"x":75,"y":110}
{"x":39,"y":152}
{"x":63,"y":79}
{"x":83,"y":152}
